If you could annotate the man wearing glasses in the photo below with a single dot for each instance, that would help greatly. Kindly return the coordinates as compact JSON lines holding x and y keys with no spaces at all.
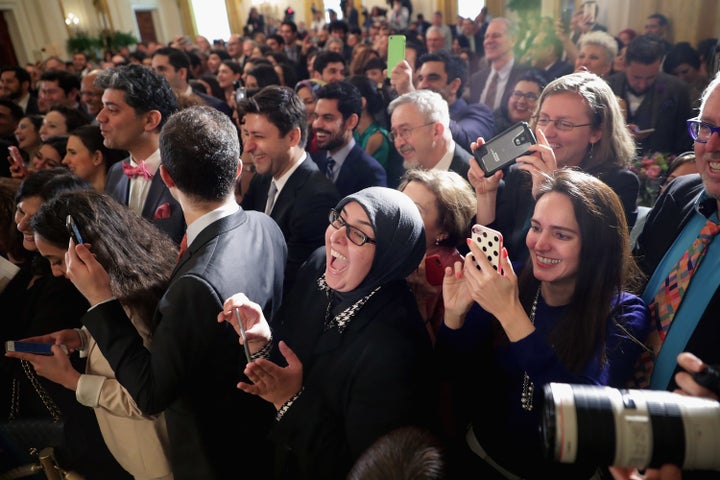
{"x":686,"y":208}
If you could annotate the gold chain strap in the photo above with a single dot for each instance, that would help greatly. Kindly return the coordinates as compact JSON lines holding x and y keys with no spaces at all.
{"x":44,"y":396}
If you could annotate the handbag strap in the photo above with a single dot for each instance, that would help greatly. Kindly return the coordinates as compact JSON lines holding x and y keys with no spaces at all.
{"x":47,"y":400}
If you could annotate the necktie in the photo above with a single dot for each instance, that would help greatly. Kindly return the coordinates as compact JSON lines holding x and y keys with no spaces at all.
{"x":271,"y":197}
{"x":330,"y":168}
{"x":183,"y":246}
{"x":667,"y":300}
{"x":139,"y":171}
{"x":492,"y":91}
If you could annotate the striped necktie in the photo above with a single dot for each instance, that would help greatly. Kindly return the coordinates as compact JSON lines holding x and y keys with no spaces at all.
{"x":330,"y":168}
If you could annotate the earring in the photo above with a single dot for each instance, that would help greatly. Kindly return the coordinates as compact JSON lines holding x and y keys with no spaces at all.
{"x":591,"y":151}
{"x":437,"y":241}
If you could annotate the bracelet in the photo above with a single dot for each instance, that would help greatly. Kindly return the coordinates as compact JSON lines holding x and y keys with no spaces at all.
{"x":83,"y":343}
{"x":264,"y":352}
{"x":286,"y":406}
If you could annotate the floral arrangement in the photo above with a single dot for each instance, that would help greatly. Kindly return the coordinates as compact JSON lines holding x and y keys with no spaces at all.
{"x":650,"y":170}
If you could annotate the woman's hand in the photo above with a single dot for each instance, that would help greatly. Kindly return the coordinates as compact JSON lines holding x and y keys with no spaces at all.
{"x":56,"y":367}
{"x":540,"y":163}
{"x":456,"y":296}
{"x":483,"y":185}
{"x":68,"y":337}
{"x":271,"y":382}
{"x":86,"y":273}
{"x":17,"y":164}
{"x":257,"y":329}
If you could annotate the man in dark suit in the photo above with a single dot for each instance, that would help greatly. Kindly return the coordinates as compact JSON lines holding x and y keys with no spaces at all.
{"x":174,"y":65}
{"x":654,"y":99}
{"x":499,"y":44}
{"x":688,"y":205}
{"x":301,"y":196}
{"x":15,"y":83}
{"x":421,"y":131}
{"x":136,"y":104}
{"x":546,"y":52}
{"x":345,"y":163}
{"x":191,"y":371}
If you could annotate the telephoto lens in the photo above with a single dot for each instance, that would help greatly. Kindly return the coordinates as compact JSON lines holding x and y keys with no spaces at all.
{"x":604,"y":426}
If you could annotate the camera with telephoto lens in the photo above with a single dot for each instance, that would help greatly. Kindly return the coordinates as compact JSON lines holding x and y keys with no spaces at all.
{"x":604,"y":426}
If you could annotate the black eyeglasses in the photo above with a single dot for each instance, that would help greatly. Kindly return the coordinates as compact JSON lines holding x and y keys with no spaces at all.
{"x":354,"y":234}
{"x":529,"y":96}
{"x":700,"y":131}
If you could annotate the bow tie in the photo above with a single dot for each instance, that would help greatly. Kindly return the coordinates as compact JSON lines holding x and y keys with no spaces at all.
{"x":139,"y":171}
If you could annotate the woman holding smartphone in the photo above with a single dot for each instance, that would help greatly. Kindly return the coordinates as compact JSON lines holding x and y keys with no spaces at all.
{"x":578,"y":123}
{"x":348,"y":357}
{"x":139,"y":274}
{"x":568,"y":317}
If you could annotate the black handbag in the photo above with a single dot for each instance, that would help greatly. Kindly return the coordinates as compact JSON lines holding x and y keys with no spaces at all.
{"x":22,"y":436}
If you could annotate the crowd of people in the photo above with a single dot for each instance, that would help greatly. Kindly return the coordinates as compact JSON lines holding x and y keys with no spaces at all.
{"x":274,"y":273}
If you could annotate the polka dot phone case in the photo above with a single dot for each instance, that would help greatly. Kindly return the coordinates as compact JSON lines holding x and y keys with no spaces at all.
{"x":490,"y":242}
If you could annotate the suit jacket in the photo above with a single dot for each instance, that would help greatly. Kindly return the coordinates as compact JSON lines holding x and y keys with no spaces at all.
{"x":468,"y":122}
{"x":665,"y":107}
{"x":358,"y":385}
{"x":358,"y":171}
{"x":215,"y":103}
{"x":32,"y":106}
{"x":196,"y":362}
{"x":301,"y":211}
{"x":670,"y":214}
{"x":117,"y":186}
{"x":558,"y":69}
{"x":479,"y":78}
{"x":461,"y":161}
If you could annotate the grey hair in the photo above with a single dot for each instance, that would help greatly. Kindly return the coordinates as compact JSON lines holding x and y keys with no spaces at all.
{"x":431,"y":105}
{"x":604,"y":40}
{"x":510,"y":27}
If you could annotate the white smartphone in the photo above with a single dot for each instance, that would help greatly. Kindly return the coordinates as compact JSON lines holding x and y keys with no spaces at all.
{"x":490,"y":242}
{"x":31,"y":347}
{"x":248,"y":357}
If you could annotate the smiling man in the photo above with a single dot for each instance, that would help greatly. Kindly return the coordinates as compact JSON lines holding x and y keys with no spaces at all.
{"x":345,"y":163}
{"x":421,"y":131}
{"x":288,"y":185}
{"x":499,"y":42}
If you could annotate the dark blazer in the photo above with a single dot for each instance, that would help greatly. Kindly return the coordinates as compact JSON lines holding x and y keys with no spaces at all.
{"x":192,"y":371}
{"x":515,"y":204}
{"x":670,"y":214}
{"x":301,"y":211}
{"x":215,"y":103}
{"x":117,"y":186}
{"x":665,"y":107}
{"x":32,"y":106}
{"x":358,"y":385}
{"x":558,"y":69}
{"x":461,"y":161}
{"x":479,"y":78}
{"x":358,"y":171}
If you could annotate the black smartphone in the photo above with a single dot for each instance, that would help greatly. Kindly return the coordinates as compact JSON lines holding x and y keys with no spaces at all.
{"x":566,"y":16}
{"x":504,"y":148}
{"x":31,"y":347}
{"x":73,"y":230}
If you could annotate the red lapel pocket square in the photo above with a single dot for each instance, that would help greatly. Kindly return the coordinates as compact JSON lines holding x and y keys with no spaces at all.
{"x":163,"y":211}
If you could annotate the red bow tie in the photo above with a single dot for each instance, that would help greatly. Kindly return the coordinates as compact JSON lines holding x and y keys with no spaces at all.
{"x":139,"y":171}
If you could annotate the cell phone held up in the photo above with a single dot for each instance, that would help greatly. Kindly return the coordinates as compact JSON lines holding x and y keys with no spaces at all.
{"x":504,"y":148}
{"x":73,"y":230}
{"x":396,"y":51}
{"x":490,"y":242}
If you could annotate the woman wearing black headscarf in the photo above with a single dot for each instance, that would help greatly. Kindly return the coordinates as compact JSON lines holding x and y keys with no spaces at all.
{"x":356,"y":353}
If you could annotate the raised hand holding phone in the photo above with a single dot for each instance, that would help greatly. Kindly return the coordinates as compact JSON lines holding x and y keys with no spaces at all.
{"x":17,"y":164}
